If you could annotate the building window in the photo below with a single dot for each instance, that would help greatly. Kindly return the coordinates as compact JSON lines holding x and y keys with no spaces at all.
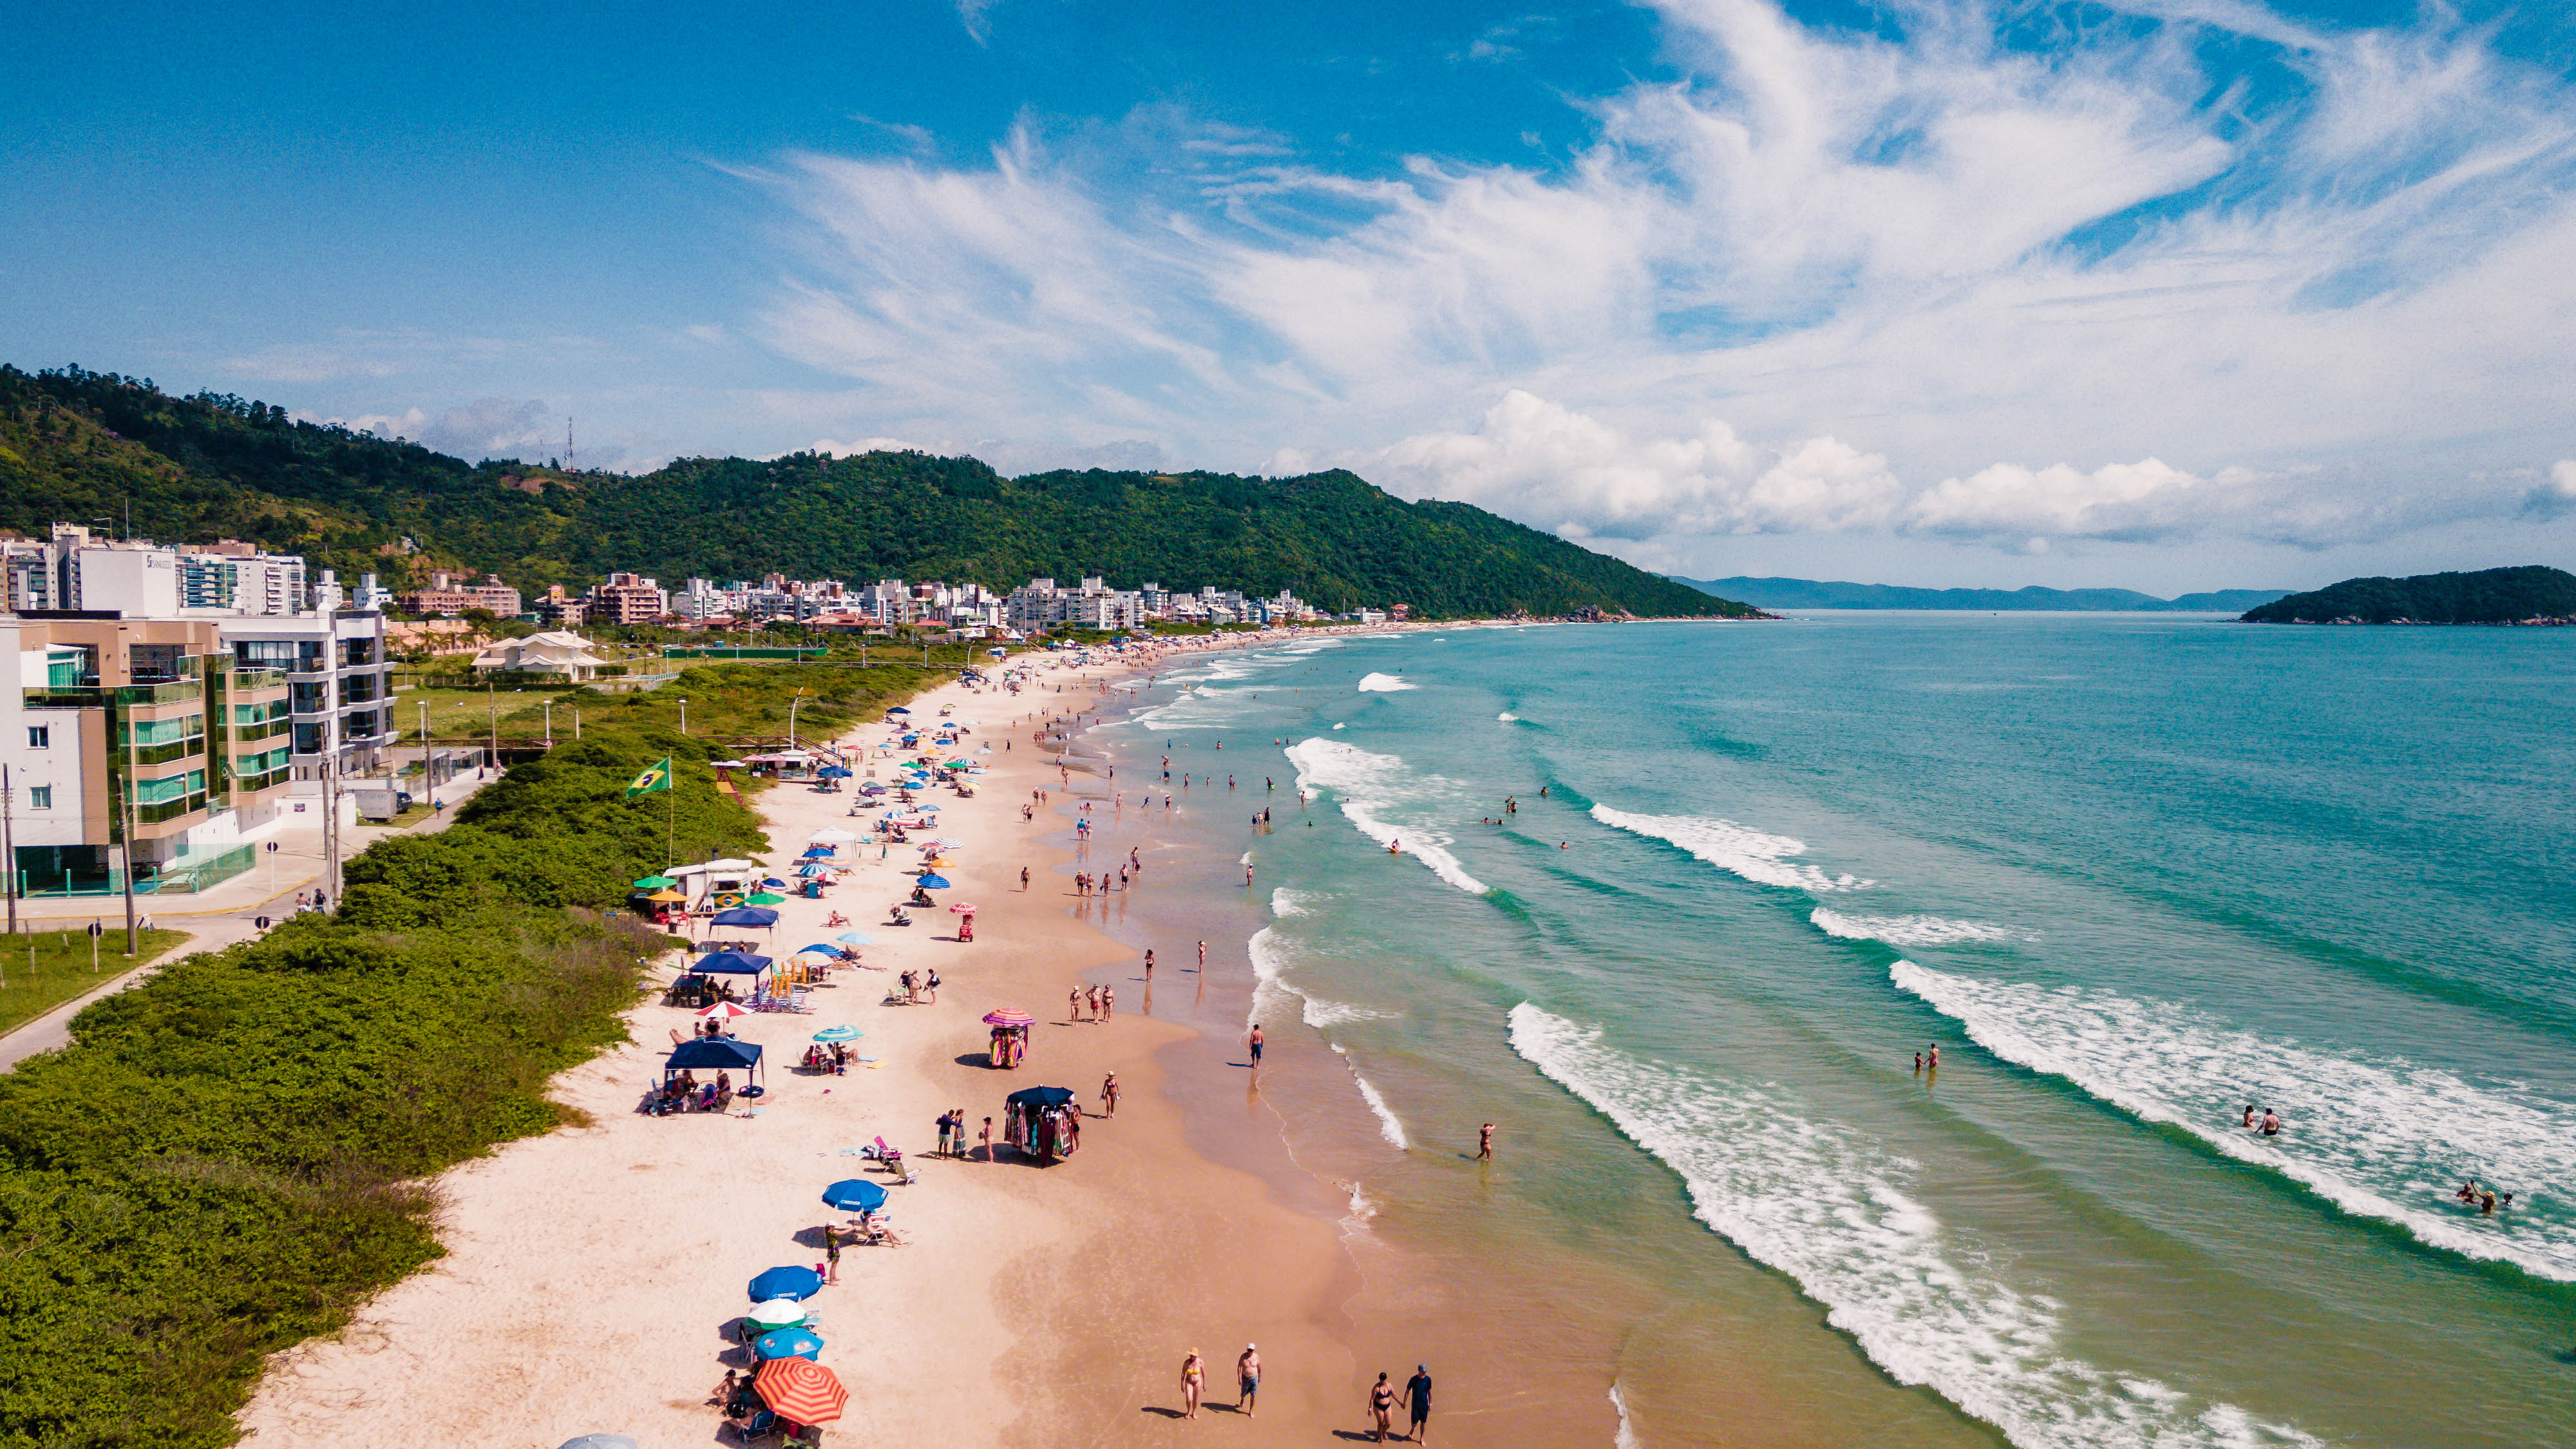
{"x":40,"y":737}
{"x":40,"y":797}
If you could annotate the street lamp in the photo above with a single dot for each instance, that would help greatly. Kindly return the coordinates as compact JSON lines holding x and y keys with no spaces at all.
{"x":791,"y":718}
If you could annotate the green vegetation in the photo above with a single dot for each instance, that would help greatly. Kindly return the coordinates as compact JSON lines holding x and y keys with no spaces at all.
{"x":44,"y":969}
{"x":225,"y":1162}
{"x":2534,"y":594}
{"x":80,"y":445}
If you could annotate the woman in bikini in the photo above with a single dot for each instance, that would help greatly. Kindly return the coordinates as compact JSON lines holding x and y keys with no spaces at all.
{"x":1193,"y":1379}
{"x":1382,"y":1407}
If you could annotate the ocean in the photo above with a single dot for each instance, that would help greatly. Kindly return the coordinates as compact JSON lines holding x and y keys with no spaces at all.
{"x":2129,"y":875}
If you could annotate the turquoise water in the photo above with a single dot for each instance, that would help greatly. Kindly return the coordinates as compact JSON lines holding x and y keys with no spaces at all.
{"x":2129,"y":875}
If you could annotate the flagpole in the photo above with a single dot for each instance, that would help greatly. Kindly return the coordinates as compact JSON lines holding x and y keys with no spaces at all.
{"x":671,"y":831}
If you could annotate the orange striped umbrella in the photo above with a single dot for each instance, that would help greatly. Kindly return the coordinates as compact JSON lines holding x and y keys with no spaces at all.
{"x":800,"y":1390}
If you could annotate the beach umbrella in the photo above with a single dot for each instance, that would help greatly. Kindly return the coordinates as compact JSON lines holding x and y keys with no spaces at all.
{"x":655,"y":883}
{"x":797,"y":1342}
{"x":855,"y":1195}
{"x":600,"y":1441}
{"x":745,"y":916}
{"x":933,"y":881}
{"x":832,"y":772}
{"x":777,"y":1313}
{"x":808,"y":872}
{"x":832,"y":837}
{"x":667,"y":896}
{"x":1008,"y":1016}
{"x":855,"y":938}
{"x":800,"y":1391}
{"x":899,"y":709}
{"x":822,"y":948}
{"x":765,"y":898}
{"x":790,"y":1282}
{"x":963,"y":908}
{"x":839,"y":1033}
{"x":725,"y":1009}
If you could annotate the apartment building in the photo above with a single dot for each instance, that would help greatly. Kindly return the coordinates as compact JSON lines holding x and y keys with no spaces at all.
{"x":626,"y":599}
{"x":72,"y":569}
{"x":449,"y":596}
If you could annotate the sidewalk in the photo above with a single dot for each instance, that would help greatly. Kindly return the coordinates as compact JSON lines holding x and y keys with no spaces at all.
{"x":213,"y":919}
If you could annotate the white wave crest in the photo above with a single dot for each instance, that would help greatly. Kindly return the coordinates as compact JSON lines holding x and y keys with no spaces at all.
{"x":1285,"y":902}
{"x":1627,"y":1433}
{"x":1735,"y":849}
{"x":1388,"y":1126}
{"x":1371,"y":785}
{"x":2387,"y":1140}
{"x":1384,"y":683}
{"x":1270,"y":989}
{"x":1507,"y":717}
{"x":1907,"y":930}
{"x":1815,"y":1201}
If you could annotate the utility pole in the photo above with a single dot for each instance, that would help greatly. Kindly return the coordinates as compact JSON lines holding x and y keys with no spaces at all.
{"x":550,"y":722}
{"x":330,"y":833}
{"x":492,"y":698}
{"x":791,"y":718}
{"x":428,"y":782}
{"x":684,"y":719}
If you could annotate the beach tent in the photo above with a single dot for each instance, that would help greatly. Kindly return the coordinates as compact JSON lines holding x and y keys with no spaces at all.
{"x":796,"y":1283}
{"x":797,"y":1342}
{"x":714,"y":1054}
{"x":731,"y":963}
{"x":854,"y":1195}
{"x":745,"y":916}
{"x":1039,"y":1096}
{"x":800,"y":1390}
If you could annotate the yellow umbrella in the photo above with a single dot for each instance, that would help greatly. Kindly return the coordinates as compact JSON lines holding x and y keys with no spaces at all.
{"x":666,"y":896}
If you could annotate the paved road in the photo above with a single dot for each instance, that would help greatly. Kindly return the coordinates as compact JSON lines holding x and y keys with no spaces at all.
{"x":207,"y":931}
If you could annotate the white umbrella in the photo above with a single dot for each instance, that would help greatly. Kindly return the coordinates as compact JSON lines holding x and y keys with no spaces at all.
{"x":830,"y":837}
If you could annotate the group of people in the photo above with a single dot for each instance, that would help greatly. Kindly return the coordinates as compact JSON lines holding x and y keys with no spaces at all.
{"x":2485,"y":1199}
{"x":830,"y":1058}
{"x":1102,"y":1001}
{"x":952,"y":1134}
{"x":1384,"y":1398}
{"x":920,"y":988}
{"x":684,"y":1094}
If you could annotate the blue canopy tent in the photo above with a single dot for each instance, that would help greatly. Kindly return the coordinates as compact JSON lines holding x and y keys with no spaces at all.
{"x":746,"y":916}
{"x":832,"y":772}
{"x":854,"y":1195}
{"x":731,"y":963}
{"x":714,"y":1054}
{"x":1041,"y":1097}
{"x":798,"y":1284}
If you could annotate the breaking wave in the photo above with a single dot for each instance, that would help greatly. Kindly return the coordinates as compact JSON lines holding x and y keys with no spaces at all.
{"x":1370,"y":786}
{"x":1384,"y":683}
{"x":2386,"y":1139}
{"x":1908,"y":930}
{"x":1819,"y":1203}
{"x":1388,"y":1126}
{"x":1735,"y":849}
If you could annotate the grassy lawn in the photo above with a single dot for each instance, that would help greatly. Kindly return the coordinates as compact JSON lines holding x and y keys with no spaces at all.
{"x":62,"y":967}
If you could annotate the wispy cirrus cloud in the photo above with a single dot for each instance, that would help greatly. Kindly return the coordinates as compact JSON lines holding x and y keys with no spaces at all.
{"x":1934,"y":284}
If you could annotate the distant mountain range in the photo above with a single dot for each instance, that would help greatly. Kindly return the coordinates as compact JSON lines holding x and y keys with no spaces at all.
{"x":1814,"y":594}
{"x":2534,"y":594}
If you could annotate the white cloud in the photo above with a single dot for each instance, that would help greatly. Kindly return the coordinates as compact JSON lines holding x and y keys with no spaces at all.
{"x":1828,"y":282}
{"x":491,"y":427}
{"x":2555,"y":498}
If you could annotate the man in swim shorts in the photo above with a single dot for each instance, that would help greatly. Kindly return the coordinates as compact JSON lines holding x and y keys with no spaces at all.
{"x":1417,"y":1397}
{"x":1247,"y":1374}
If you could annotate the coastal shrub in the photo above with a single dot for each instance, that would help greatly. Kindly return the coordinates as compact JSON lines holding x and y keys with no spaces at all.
{"x":230,"y":1158}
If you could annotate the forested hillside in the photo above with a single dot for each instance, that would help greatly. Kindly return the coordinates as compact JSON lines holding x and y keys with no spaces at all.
{"x":78,"y":446}
{"x":2531,"y":594}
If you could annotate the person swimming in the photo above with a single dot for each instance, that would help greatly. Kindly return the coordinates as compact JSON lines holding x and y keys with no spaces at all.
{"x":2271,"y":1123}
{"x":2249,"y":1116}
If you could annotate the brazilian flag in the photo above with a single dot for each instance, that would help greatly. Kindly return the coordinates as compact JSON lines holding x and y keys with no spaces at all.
{"x":655,"y":777}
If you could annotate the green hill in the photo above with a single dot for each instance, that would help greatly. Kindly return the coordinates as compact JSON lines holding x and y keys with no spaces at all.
{"x":2535,"y":594}
{"x":77,"y":446}
{"x":1773,"y":593}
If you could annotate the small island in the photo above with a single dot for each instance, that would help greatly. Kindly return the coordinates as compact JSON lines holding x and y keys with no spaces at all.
{"x":2533,"y":595}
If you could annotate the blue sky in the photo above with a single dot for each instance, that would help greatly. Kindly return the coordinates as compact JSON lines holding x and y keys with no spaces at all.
{"x":2169,"y":293}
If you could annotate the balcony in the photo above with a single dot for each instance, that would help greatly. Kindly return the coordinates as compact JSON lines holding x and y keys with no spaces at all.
{"x":168,"y":810}
{"x":252,"y":681}
{"x":90,"y":694}
{"x":162,"y":754}
{"x":261,"y":729}
{"x":244,"y":785}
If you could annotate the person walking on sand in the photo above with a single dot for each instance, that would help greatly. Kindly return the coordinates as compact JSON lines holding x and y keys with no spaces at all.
{"x":1485,"y":1144}
{"x":831,"y":1255}
{"x":1108,"y":1002}
{"x":1417,"y":1399}
{"x":1073,"y":1006}
{"x":987,"y":1139}
{"x":1149,"y":963}
{"x":1193,"y":1380}
{"x":1255,"y":1039}
{"x":1247,"y":1379}
{"x":1382,"y":1407}
{"x":1109,"y":1095}
{"x":1024,"y":880}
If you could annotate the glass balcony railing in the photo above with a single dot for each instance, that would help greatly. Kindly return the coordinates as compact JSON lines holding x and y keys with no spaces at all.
{"x":91,"y":695}
{"x":163,"y":754}
{"x":168,"y":809}
{"x":250,"y":681}
{"x":252,"y":784}
{"x":262,"y":729}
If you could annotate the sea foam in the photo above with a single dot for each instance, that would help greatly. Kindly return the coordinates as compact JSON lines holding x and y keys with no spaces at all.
{"x":1383,"y":683}
{"x":1735,"y":849}
{"x":1372,"y":785}
{"x":1388,"y":1126}
{"x":2381,"y":1139}
{"x":1816,"y":1201}
{"x":1908,"y":930}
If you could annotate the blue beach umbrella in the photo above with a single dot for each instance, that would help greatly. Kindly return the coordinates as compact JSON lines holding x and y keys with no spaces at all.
{"x":798,"y":1342}
{"x":899,"y":709}
{"x":855,"y":1195}
{"x":791,"y":1282}
{"x":839,"y":1033}
{"x":819,"y":948}
{"x":855,"y":938}
{"x":833,"y":772}
{"x":933,"y":881}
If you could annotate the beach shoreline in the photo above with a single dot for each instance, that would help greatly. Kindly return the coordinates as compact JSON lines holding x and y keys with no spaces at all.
{"x":590,"y":1272}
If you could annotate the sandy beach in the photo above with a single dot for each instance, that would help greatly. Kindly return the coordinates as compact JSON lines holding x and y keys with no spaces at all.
{"x":592,"y":1273}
